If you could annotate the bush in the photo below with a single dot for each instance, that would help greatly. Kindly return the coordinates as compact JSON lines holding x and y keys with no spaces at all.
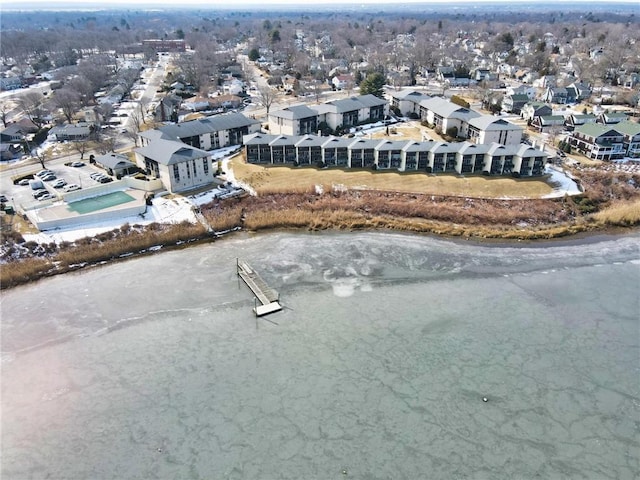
{"x":395,"y":110}
{"x":413,"y":116}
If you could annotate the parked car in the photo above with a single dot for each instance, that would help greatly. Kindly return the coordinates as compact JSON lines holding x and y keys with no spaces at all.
{"x":24,"y":182}
{"x":44,"y":173}
{"x":61,"y":182}
{"x":46,"y":196}
{"x":78,"y":164}
{"x":105,"y":179}
{"x":96,"y":175}
{"x":71,"y":187}
{"x":3,"y":199}
{"x":39,"y":193}
{"x":49,"y":178}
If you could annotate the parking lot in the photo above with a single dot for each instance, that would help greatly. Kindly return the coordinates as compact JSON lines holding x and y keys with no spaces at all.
{"x":20,"y":194}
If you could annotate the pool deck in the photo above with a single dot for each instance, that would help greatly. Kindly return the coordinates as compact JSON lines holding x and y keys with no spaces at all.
{"x":61,"y":216}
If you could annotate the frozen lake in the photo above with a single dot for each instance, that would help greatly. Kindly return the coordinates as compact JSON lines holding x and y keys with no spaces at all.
{"x":376,"y":368}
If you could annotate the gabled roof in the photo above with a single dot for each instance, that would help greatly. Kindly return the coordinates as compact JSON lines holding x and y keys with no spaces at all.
{"x":628,"y":128}
{"x":550,"y":119}
{"x":353,"y":103}
{"x":364,"y":143}
{"x":413,"y":95}
{"x":336,"y":142}
{"x":114,"y":160}
{"x":525,"y":150}
{"x":446,"y":109}
{"x":391,"y":145}
{"x":491,"y":123}
{"x":201,"y":126}
{"x":414,"y":146}
{"x":283,"y":140}
{"x":310,"y":141}
{"x":498,"y":150}
{"x":295,"y":112}
{"x":596,"y":130}
{"x":469,"y":148}
{"x":441,"y":147}
{"x":258,"y":138}
{"x":170,"y":152}
{"x":519,"y":97}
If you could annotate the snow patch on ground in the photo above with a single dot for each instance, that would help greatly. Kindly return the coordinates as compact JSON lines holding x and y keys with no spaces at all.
{"x":561,"y":182}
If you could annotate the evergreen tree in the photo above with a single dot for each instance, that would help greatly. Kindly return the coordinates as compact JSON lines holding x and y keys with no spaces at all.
{"x":373,"y":84}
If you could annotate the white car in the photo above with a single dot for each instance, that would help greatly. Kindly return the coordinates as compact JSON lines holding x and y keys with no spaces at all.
{"x":24,"y":182}
{"x":43,"y":173}
{"x":61,"y":182}
{"x":71,"y":187}
{"x":46,"y":196}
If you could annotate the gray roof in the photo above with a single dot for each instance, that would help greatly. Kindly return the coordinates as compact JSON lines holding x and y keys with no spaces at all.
{"x":201,"y":126}
{"x":489,"y":122}
{"x":258,"y":138}
{"x":445,"y":147}
{"x":469,"y":148}
{"x":310,"y":141}
{"x":169,"y":152}
{"x":391,"y":145}
{"x":337,"y":142}
{"x":284,"y":140}
{"x":114,"y":160}
{"x":446,"y":109}
{"x":410,"y":95}
{"x":294,"y":113}
{"x":351,"y":104}
{"x":525,"y":150}
{"x":364,"y":143}
{"x":496,"y":149}
{"x":413,"y":146}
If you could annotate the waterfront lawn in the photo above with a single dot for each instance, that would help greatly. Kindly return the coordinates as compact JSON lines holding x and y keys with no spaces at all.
{"x":283,"y":178}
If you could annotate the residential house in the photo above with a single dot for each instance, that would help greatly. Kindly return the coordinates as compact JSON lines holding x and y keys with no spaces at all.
{"x":196,"y":104}
{"x":180,"y":167}
{"x":446,"y":116}
{"x":609,"y":118}
{"x":535,"y":109}
{"x":72,"y":132}
{"x":168,"y":108}
{"x":225,"y":101}
{"x":408,"y":101}
{"x":206,"y":133}
{"x":575,"y":120}
{"x":577,"y":92}
{"x":350,"y":112}
{"x":343,"y":82}
{"x":9,"y":151}
{"x":116,"y":164}
{"x":490,"y":129}
{"x":513,"y":103}
{"x":294,"y":120}
{"x":631,"y":138}
{"x":555,"y":95}
{"x":482,"y":74}
{"x":598,"y":141}
{"x":17,"y":132}
{"x":547,"y":122}
{"x":428,"y":156}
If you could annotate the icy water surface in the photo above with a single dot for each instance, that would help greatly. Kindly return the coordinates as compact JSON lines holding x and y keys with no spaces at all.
{"x":377,"y":368}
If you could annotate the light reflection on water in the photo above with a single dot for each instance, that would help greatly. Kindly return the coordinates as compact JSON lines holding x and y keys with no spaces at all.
{"x":377,"y":366}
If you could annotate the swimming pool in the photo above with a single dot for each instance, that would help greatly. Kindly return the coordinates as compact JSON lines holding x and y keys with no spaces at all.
{"x":101,"y":202}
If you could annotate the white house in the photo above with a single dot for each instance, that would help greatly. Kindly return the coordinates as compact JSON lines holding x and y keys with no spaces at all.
{"x":490,"y":129}
{"x":180,"y":167}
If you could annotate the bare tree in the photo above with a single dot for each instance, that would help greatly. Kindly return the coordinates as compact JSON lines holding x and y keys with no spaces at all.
{"x":68,"y":101}
{"x":266,"y":96}
{"x":83,"y":146}
{"x":143,"y":103}
{"x":32,"y":105}
{"x":106,"y":144}
{"x":4,"y":110}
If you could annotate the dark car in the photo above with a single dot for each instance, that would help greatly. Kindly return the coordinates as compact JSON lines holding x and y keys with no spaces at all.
{"x":105,"y":179}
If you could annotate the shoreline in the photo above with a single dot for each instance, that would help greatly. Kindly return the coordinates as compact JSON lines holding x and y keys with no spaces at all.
{"x":484,"y":222}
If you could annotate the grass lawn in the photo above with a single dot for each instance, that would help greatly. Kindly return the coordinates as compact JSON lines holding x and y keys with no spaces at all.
{"x":270,"y":179}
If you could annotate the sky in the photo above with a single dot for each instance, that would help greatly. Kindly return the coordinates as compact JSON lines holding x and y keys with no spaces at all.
{"x":265,"y":3}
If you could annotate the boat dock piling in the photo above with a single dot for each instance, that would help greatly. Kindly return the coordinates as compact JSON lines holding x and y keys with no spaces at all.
{"x":268,"y":297}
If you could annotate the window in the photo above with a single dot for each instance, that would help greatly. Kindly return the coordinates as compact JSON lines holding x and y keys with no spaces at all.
{"x":188,"y":170}
{"x":205,"y":166}
{"x":176,"y":173}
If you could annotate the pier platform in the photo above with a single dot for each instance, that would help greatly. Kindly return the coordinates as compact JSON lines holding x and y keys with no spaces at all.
{"x":268,"y":297}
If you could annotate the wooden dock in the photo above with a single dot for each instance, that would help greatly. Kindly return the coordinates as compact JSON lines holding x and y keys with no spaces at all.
{"x":268,"y":297}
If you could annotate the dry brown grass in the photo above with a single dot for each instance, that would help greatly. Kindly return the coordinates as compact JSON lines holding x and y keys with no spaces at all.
{"x":623,"y":214}
{"x":23,"y":271}
{"x":283,"y":178}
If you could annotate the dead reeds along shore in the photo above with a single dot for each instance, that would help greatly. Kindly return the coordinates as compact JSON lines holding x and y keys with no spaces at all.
{"x":609,"y":202}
